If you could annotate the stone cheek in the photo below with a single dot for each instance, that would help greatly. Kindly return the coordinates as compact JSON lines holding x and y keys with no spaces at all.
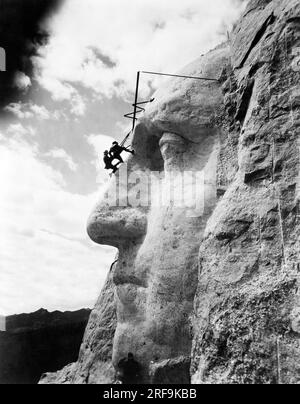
{"x":155,"y":304}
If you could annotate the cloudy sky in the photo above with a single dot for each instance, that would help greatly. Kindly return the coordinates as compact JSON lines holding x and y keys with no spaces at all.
{"x":61,"y":110}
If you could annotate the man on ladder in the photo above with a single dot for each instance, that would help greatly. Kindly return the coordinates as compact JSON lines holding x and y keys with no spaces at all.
{"x":116,"y":150}
{"x":108,"y":162}
{"x":114,"y":154}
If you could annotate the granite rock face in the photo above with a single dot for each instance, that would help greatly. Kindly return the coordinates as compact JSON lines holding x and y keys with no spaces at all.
{"x":171,"y":371}
{"x":37,"y":342}
{"x":247,"y":300}
{"x":207,"y":290}
{"x":156,"y":276}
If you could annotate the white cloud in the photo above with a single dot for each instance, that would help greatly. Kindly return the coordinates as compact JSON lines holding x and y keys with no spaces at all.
{"x":30,"y":110}
{"x":40,"y":112}
{"x":18,"y":130}
{"x":63,"y":155}
{"x":123,"y":126}
{"x":46,"y":258}
{"x":78,"y":106}
{"x":17,"y":108}
{"x":22,"y":82}
{"x":100,"y":143}
{"x":117,"y":38}
{"x":60,"y":91}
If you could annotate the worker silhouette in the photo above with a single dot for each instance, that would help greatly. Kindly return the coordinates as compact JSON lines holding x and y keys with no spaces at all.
{"x":108,"y":162}
{"x":129,"y":370}
{"x":116,"y":150}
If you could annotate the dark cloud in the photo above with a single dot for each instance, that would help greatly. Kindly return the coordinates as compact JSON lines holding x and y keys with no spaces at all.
{"x":22,"y":32}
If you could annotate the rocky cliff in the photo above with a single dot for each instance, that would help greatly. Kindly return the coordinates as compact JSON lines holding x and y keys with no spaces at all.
{"x":246,"y":319}
{"x":37,"y":342}
{"x":209,"y":293}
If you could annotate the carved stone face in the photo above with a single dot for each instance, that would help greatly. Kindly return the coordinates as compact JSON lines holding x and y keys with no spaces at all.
{"x":157,"y":272}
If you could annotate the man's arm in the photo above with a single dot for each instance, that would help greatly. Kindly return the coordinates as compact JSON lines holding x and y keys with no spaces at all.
{"x":128,"y":151}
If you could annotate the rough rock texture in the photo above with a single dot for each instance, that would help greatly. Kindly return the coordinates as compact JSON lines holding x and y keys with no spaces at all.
{"x":94,"y":365}
{"x":171,"y":371}
{"x":215,"y":284}
{"x":36,"y":342}
{"x":156,"y":276}
{"x":246,"y":320}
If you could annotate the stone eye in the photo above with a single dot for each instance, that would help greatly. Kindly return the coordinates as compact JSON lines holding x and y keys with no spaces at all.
{"x":172,"y":147}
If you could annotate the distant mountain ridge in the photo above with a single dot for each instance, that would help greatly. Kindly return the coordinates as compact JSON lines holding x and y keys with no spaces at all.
{"x":43,"y":318}
{"x":36,"y":342}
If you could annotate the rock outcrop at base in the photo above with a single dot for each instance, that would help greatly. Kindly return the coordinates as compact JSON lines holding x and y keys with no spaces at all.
{"x":38,"y":342}
{"x":218,"y":292}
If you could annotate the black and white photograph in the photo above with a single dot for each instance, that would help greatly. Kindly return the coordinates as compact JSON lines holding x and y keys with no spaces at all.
{"x":149,"y":195}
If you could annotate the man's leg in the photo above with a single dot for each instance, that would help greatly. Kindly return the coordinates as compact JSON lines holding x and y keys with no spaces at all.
{"x":118,"y":157}
{"x":111,"y":167}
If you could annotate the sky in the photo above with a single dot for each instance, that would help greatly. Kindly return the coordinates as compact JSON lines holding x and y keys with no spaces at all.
{"x":61,"y":109}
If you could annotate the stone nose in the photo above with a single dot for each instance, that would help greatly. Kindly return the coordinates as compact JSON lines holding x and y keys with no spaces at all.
{"x":116,"y":226}
{"x":114,"y":221}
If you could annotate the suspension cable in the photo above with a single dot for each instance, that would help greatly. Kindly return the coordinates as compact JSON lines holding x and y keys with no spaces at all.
{"x":182,"y":76}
